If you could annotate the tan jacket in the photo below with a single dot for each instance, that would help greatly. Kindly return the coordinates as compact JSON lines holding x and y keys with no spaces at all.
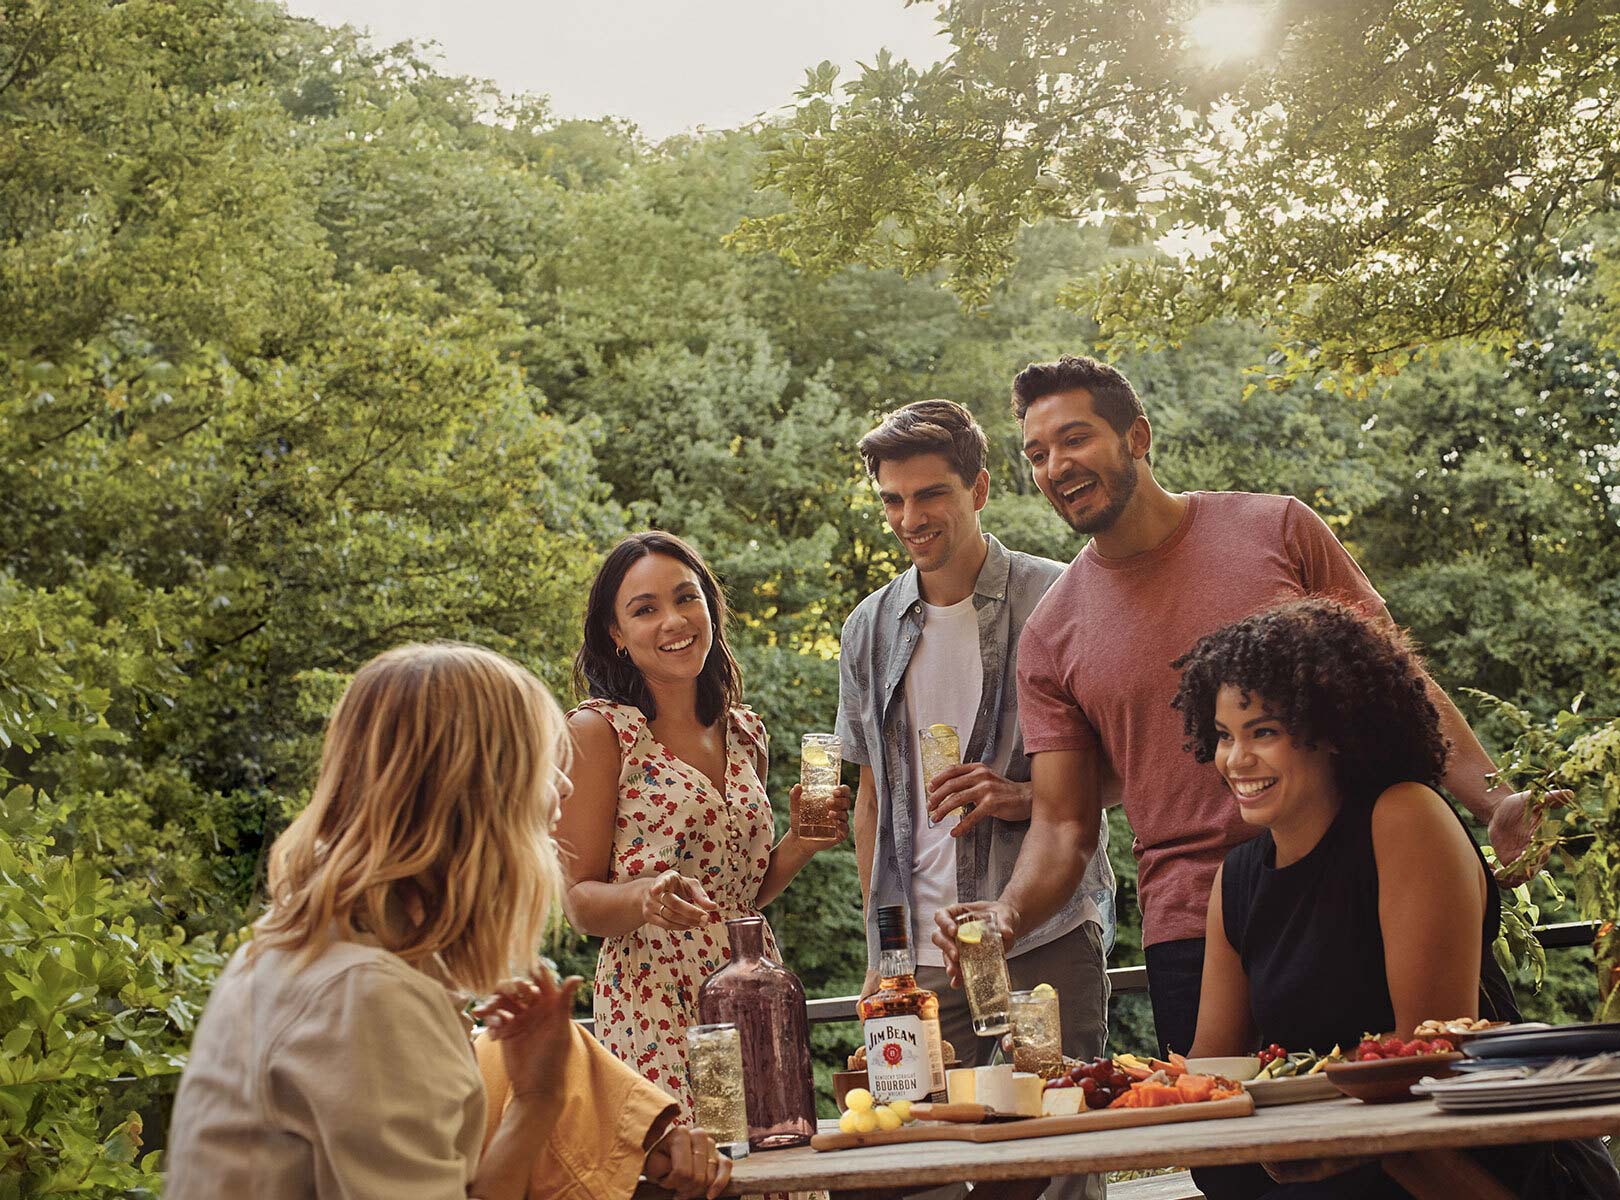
{"x":348,"y":1078}
{"x":596,"y":1150}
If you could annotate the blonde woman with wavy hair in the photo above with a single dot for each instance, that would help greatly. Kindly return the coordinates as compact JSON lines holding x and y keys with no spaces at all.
{"x":333,"y":1058}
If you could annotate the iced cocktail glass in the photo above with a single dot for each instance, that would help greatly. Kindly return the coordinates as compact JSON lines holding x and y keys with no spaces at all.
{"x":719,"y":1104}
{"x":983,"y":962}
{"x":821,"y":757}
{"x":1036,"y":1033}
{"x":941,"y":749}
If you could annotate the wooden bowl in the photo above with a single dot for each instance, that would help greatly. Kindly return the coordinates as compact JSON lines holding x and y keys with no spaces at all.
{"x":843,"y":1081}
{"x":1388,"y":1080}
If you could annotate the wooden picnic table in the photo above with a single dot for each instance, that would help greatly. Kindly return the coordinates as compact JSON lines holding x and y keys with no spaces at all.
{"x":1416,"y":1142}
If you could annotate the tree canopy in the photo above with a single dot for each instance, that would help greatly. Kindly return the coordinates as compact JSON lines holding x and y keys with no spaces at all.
{"x":307,"y":349}
{"x":1364,"y":178}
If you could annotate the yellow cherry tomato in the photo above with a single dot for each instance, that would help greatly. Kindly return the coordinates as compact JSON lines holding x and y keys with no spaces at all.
{"x":858,"y":1100}
{"x":887,"y":1118}
{"x":847,"y":1122}
{"x":901,"y":1109}
{"x":865,"y":1121}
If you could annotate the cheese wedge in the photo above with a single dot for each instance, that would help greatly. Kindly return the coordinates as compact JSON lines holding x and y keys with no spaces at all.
{"x":961,"y":1085}
{"x":1027,"y":1093}
{"x":995,"y":1087}
{"x":1062,"y":1102}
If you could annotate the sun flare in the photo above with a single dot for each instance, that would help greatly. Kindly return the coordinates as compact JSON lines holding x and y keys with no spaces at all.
{"x":1226,"y":31}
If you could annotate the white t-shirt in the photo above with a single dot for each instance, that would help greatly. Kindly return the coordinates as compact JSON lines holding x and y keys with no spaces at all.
{"x":943,"y":682}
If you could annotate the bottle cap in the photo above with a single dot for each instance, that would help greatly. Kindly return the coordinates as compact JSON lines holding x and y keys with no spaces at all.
{"x":894,"y":930}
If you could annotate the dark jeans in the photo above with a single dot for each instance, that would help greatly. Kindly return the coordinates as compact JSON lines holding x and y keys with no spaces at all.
{"x":1175,"y":975}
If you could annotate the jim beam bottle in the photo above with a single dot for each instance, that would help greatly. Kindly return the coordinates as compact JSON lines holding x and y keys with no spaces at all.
{"x":900,"y":1022}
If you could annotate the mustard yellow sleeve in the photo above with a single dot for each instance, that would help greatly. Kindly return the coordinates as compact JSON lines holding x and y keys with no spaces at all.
{"x":598,"y":1146}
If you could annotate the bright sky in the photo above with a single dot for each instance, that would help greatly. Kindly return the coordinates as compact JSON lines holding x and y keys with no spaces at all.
{"x":668,"y":65}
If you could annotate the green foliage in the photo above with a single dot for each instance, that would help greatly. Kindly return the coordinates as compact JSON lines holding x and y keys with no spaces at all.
{"x":92,"y":1004}
{"x":1365,"y":179}
{"x":307,"y":349}
{"x":1572,"y":763}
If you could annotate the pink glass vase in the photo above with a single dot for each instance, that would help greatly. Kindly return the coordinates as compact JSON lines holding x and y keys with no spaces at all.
{"x":765,"y":1001}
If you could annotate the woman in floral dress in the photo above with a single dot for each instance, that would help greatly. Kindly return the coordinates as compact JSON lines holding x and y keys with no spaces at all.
{"x":669,"y":831}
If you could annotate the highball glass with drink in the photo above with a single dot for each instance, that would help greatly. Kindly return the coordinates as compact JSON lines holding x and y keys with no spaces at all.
{"x":983,"y":963}
{"x":821,"y":756}
{"x":719,"y":1105}
{"x":1037,"y":1036}
{"x":941,"y":749}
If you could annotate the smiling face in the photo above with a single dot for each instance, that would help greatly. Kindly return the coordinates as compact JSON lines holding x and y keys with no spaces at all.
{"x":930,"y":509}
{"x":661,"y":619}
{"x":1086,"y":470}
{"x":1274,"y":779}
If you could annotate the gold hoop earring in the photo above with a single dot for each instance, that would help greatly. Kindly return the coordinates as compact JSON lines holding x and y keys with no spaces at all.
{"x":622,"y":652}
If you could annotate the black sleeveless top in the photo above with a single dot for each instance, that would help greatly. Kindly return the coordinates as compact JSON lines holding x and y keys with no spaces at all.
{"x":1309,"y":937}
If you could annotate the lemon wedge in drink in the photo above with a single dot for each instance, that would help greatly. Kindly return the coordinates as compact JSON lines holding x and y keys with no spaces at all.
{"x":971,"y":932}
{"x":815,"y":756}
{"x":942,"y":731}
{"x":1043,"y":990}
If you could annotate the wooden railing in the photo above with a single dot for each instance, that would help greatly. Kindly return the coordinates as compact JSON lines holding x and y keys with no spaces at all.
{"x":1125,"y":980}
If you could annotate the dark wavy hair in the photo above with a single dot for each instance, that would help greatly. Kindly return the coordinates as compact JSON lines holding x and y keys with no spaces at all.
{"x":1329,"y":675}
{"x":1112,"y":395}
{"x":928,"y":427}
{"x":600,"y":671}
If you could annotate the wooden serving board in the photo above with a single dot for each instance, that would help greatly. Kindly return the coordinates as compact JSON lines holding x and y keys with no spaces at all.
{"x":1033,"y":1127}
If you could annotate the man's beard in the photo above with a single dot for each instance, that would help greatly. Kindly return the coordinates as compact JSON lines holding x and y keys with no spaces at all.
{"x":1121,"y":486}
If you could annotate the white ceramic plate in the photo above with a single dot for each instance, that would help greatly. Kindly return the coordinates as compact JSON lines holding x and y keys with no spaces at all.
{"x":1239,"y":1069}
{"x":1478,"y":1094}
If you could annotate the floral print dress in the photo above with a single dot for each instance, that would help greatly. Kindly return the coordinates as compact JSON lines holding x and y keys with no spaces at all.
{"x":671,"y":815}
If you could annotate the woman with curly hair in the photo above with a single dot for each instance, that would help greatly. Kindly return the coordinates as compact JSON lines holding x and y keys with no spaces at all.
{"x":1364,"y":904}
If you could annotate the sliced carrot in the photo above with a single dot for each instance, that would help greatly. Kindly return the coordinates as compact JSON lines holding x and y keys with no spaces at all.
{"x":1195,"y":1087}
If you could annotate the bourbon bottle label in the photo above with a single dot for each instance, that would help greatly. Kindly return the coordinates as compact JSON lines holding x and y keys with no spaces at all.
{"x":899,"y":1054}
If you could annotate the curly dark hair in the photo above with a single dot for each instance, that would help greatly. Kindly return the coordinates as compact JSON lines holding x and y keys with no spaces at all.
{"x":598,"y":668}
{"x":1329,"y":675}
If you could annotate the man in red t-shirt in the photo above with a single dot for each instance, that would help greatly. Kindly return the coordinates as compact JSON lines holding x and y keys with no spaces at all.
{"x":1095,"y":681}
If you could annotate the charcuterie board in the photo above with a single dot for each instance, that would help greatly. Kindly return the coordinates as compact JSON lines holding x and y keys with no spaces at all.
{"x":1031,"y":1127}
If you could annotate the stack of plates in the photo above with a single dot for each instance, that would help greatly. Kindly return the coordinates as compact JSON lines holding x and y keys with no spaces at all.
{"x":1567,"y":1081}
{"x":1544,"y":1041}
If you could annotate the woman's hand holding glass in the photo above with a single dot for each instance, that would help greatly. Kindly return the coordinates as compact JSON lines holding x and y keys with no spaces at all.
{"x":676,"y":901}
{"x":533,"y":1020}
{"x":838,"y":808}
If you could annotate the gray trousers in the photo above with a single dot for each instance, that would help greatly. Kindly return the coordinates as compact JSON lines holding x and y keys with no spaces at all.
{"x":1075,"y":965}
